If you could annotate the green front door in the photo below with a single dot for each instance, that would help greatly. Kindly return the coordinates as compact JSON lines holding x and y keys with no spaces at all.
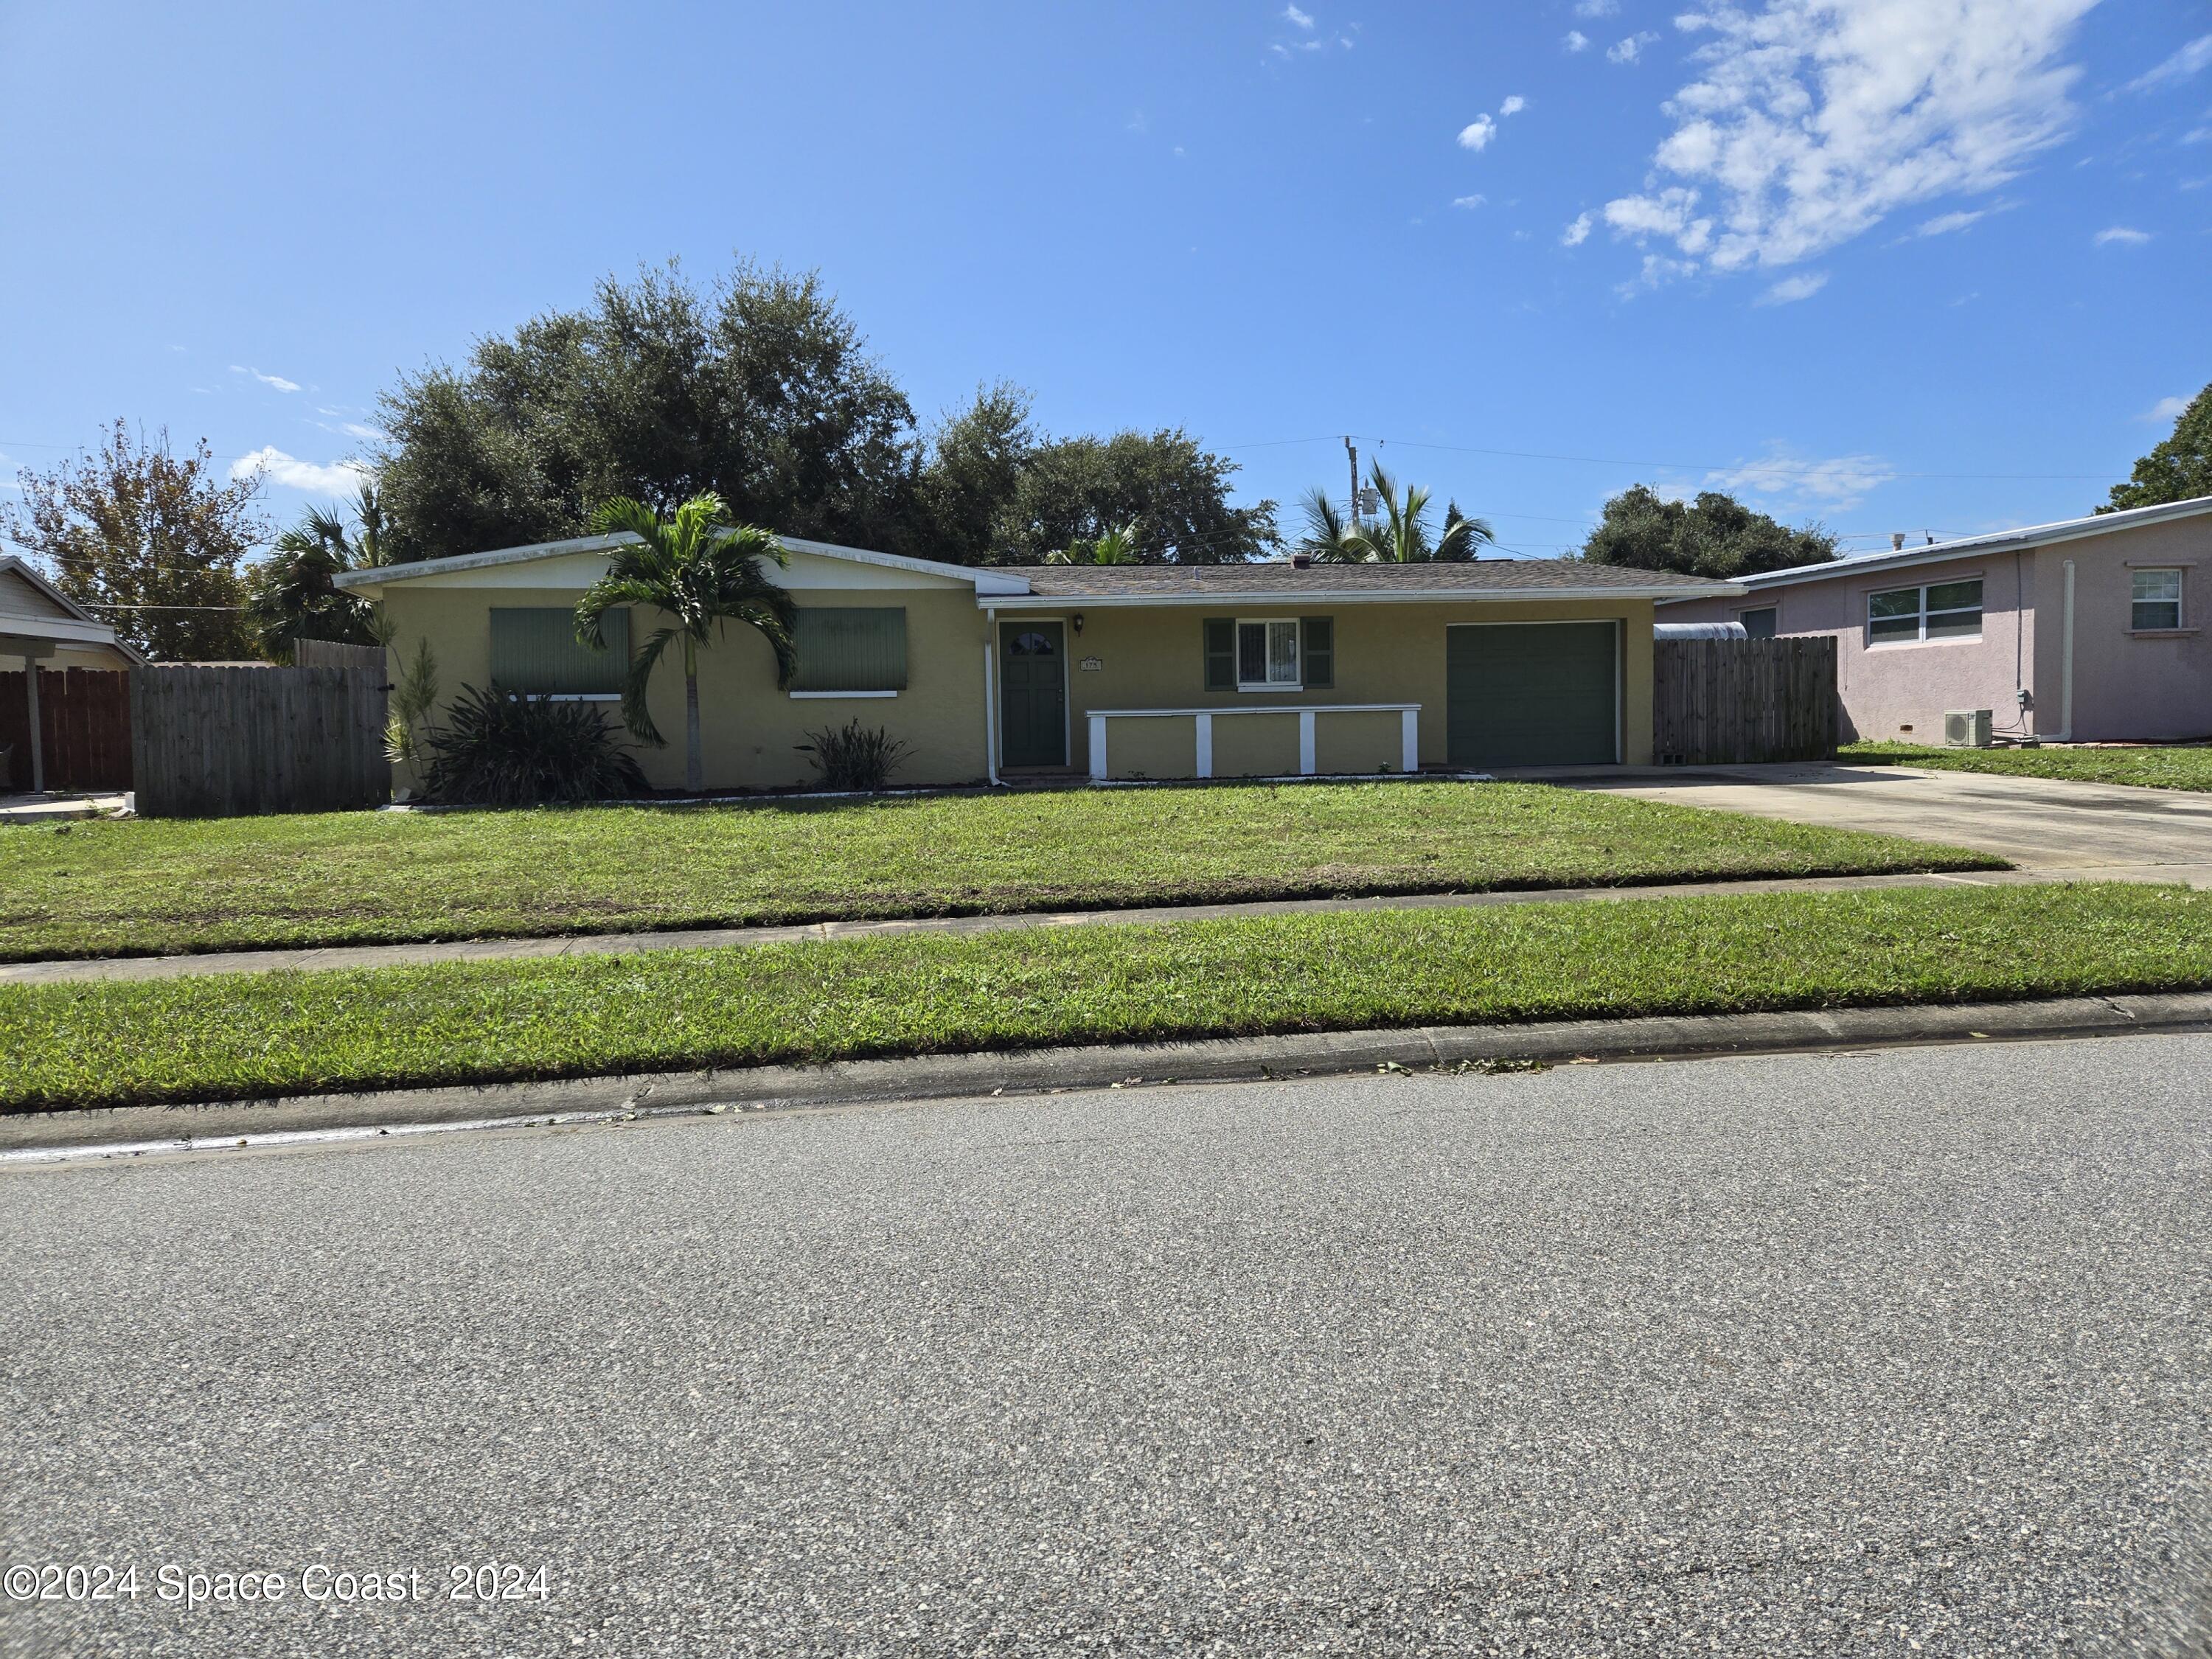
{"x":1033,"y":693}
{"x":1532,"y":694}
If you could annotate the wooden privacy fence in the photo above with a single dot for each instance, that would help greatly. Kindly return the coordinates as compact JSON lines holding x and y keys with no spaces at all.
{"x":226,"y":742}
{"x":84,"y":729}
{"x":1719,"y":702}
{"x":329,"y":653}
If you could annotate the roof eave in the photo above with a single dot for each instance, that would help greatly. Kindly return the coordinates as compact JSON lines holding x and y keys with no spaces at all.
{"x":2002,"y":541}
{"x":981,"y":578}
{"x":1365,"y":596}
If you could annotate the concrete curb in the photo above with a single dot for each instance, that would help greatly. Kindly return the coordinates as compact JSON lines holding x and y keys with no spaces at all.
{"x":34,"y":1137}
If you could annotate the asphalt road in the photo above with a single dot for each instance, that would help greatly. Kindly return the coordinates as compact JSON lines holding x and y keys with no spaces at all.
{"x":1858,"y":1354}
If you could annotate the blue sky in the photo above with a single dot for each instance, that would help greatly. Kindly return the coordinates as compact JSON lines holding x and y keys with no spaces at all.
{"x":1898,"y":264}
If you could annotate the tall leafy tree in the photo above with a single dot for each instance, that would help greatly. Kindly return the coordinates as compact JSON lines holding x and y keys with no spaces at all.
{"x":1398,"y":534}
{"x":1077,"y":489}
{"x":974,"y":471}
{"x":1716,"y":536}
{"x":2178,"y":469}
{"x":147,"y":539}
{"x":706,"y":572}
{"x":293,"y":594}
{"x":760,"y":391}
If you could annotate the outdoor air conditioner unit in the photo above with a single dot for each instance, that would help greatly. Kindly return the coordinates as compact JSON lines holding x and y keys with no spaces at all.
{"x":1966,"y":728}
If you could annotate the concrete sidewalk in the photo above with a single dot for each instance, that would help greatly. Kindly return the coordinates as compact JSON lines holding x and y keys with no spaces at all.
{"x":706,"y":939}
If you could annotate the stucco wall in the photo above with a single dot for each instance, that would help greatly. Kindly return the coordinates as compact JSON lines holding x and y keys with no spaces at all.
{"x":749,"y":731}
{"x":103,"y":657}
{"x":2127,"y":686}
{"x":1155,"y":658}
{"x":1147,"y":657}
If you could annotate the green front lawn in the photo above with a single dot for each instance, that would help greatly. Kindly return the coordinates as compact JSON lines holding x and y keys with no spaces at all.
{"x":238,"y":1037}
{"x":108,"y":889}
{"x":2167,"y":767}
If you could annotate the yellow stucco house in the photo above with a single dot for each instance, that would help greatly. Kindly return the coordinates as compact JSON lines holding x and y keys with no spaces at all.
{"x":1118,"y":671}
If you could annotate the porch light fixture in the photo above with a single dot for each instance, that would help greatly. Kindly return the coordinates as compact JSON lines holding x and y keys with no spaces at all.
{"x":1076,"y":619}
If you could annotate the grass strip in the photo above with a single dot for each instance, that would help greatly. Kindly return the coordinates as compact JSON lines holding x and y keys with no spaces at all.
{"x":108,"y":889}
{"x":237,"y":1036}
{"x":2166,"y":767}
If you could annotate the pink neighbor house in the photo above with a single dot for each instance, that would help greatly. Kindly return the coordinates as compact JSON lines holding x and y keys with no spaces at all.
{"x":2084,"y":631}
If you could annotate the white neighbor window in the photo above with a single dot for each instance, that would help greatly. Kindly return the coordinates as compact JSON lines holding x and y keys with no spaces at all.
{"x":2157,"y":600}
{"x":1268,"y":656}
{"x":1942,"y":611}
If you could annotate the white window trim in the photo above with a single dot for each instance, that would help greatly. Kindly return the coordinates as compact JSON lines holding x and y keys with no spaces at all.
{"x":801,"y":697}
{"x":1980,"y":611}
{"x":1774,"y":605}
{"x":1298,"y":632}
{"x":2180,"y":597}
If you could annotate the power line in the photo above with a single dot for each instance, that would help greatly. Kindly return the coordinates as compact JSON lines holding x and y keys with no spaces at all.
{"x":1676,"y":466}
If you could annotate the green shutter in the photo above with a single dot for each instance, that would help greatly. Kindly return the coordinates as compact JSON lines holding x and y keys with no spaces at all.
{"x":536,"y":651}
{"x":1220,"y":653}
{"x":1318,"y":634}
{"x":850,"y":648}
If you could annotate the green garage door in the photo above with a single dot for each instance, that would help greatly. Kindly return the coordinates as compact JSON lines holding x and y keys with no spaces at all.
{"x":1531,"y":694}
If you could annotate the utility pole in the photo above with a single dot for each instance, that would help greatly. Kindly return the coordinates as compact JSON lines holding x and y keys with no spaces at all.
{"x":1352,"y":450}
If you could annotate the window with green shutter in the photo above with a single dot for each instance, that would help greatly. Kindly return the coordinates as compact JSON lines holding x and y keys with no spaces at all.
{"x":1221,"y":653}
{"x":535,"y":652}
{"x":843,"y":649}
{"x":1319,"y":634}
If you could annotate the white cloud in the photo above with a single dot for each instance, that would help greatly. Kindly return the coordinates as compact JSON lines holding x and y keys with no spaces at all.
{"x":273,"y":463}
{"x":1301,"y":18}
{"x":1811,"y":121}
{"x":1658,"y":271}
{"x":2199,"y":136}
{"x":1576,"y":233}
{"x":1671,"y":213}
{"x":1575,"y":40}
{"x":1596,"y":7}
{"x":1513,"y":106}
{"x":1791,"y":289}
{"x":276,"y":380}
{"x":2164,"y":410}
{"x":1841,"y":482}
{"x":2184,"y":64}
{"x":2126,"y":235}
{"x":1944,"y":223}
{"x":1631,"y":48}
{"x":1468,"y":201}
{"x":1477,"y":134}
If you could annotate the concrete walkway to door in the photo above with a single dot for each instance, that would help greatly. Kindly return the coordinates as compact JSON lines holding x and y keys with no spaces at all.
{"x":2054,"y":830}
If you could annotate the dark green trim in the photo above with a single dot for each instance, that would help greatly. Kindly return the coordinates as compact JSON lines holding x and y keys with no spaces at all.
{"x":1317,"y":639}
{"x":849,"y":648}
{"x":1220,"y":636}
{"x":535,"y":652}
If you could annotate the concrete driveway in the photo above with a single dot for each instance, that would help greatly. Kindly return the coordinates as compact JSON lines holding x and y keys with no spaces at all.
{"x":2052,"y":828}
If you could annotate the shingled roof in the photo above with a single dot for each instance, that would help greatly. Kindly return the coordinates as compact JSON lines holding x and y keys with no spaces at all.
{"x":1278,"y":579}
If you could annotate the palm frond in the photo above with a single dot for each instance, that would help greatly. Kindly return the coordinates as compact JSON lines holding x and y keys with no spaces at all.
{"x":636,"y":714}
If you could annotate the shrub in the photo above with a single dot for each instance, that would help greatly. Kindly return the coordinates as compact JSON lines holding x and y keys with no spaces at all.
{"x":500,"y":751}
{"x":854,"y":756}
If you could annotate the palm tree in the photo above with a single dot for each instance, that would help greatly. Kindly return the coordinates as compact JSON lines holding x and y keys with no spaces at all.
{"x":1115,"y":547}
{"x":291,"y":594}
{"x":1399,"y":535}
{"x":706,"y":572}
